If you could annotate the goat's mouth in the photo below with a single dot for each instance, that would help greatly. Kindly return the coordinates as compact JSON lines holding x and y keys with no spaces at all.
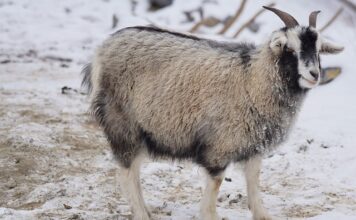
{"x":307,"y":83}
{"x":310,"y":81}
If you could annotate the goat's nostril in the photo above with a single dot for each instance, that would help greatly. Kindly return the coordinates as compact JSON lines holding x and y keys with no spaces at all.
{"x":314,"y":74}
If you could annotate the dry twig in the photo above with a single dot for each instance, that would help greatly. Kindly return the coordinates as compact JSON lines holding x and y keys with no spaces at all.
{"x":349,"y":4}
{"x":231,"y":21}
{"x":251,"y":20}
{"x":189,"y":14}
{"x":333,"y":18}
{"x":209,"y":22}
{"x":115,"y":21}
{"x":133,"y":7}
{"x":197,"y":26}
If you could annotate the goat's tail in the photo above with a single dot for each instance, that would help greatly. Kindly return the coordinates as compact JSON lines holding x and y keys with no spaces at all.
{"x":86,"y":82}
{"x":91,"y":78}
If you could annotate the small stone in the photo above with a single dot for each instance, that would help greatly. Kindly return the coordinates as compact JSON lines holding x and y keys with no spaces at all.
{"x":233,"y":201}
{"x":309,"y":141}
{"x":302,"y":148}
{"x":75,"y":216}
{"x":11,"y":184}
{"x":324,"y":146}
{"x":227,"y":179}
{"x":158,"y":4}
{"x":64,"y":65}
{"x":67,"y":206}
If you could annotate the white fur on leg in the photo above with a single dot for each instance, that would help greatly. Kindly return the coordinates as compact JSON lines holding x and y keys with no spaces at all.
{"x":252,"y":173}
{"x":131,"y":186}
{"x":208,"y":203}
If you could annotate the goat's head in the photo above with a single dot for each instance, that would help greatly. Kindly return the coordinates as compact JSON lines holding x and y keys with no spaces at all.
{"x":298,"y":48}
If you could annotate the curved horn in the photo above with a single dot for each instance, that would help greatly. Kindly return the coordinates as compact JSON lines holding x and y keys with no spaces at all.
{"x":288,"y":19}
{"x":312,"y":18}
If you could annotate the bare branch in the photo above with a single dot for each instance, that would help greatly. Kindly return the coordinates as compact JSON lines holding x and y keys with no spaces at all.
{"x":189,"y":14}
{"x":133,"y":7}
{"x":231,"y":21}
{"x":209,"y":22}
{"x":349,"y":4}
{"x":115,"y":21}
{"x":336,"y":15}
{"x":197,"y":26}
{"x":252,"y":19}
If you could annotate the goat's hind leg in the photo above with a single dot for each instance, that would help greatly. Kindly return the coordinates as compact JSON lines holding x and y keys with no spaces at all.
{"x":130,"y":185}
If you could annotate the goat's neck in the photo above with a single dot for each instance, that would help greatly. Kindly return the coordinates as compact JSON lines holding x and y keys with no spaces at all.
{"x":266,"y":88}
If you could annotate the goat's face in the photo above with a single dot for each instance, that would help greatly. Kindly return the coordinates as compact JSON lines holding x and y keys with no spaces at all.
{"x":298,"y":49}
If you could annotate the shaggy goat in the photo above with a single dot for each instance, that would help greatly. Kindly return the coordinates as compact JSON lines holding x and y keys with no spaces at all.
{"x":165,"y":94}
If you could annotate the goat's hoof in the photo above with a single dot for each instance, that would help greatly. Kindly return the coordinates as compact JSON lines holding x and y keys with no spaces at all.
{"x":260,"y":213}
{"x":142,"y":216}
{"x":148,"y":211}
{"x":262,"y":216}
{"x":211,"y":216}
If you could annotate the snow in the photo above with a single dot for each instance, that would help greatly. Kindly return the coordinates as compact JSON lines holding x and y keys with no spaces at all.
{"x":53,"y":154}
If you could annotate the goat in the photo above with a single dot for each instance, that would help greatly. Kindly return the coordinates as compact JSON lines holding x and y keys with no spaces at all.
{"x":165,"y":94}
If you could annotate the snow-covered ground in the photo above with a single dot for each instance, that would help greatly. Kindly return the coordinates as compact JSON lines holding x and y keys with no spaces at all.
{"x":56,"y":164}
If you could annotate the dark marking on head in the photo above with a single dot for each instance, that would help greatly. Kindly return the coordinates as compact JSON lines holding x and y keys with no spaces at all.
{"x":319,"y":63}
{"x":288,"y":70}
{"x":308,"y":40}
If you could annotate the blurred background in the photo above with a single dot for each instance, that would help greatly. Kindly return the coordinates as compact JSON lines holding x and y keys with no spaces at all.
{"x":56,"y":164}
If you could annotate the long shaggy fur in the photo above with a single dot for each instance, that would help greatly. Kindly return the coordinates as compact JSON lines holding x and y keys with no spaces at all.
{"x":178,"y":96}
{"x":183,"y":97}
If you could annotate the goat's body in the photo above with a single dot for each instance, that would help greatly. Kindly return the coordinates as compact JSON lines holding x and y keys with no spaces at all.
{"x":184,"y":98}
{"x":178,"y":96}
{"x":181,"y":97}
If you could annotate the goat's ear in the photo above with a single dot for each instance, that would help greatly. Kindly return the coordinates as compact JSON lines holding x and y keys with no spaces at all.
{"x":330,"y":48}
{"x":278,"y":40}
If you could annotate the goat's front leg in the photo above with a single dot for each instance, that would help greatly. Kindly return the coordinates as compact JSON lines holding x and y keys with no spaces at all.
{"x":208,"y":203}
{"x":252,"y":173}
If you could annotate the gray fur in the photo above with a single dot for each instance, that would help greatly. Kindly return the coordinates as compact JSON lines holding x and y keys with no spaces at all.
{"x":172,"y":92}
{"x":181,"y":97}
